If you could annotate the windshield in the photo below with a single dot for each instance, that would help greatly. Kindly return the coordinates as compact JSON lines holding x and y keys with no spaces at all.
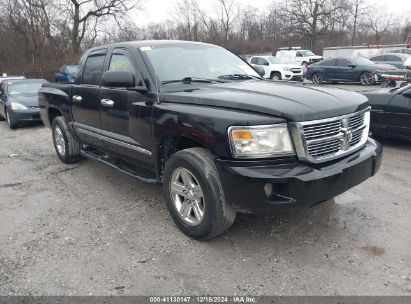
{"x":72,"y":69}
{"x":362,"y":61}
{"x":197,"y":61}
{"x":307,"y":53}
{"x":24,"y":88}
{"x":275,"y":60}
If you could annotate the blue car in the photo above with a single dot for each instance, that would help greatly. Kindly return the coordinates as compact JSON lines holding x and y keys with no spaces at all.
{"x":66,"y":74}
{"x":356,"y":69}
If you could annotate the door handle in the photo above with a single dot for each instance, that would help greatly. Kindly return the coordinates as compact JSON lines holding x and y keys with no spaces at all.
{"x":77,"y":98}
{"x":107,"y":103}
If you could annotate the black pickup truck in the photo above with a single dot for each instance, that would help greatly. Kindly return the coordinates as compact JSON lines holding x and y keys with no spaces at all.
{"x":202,"y":122}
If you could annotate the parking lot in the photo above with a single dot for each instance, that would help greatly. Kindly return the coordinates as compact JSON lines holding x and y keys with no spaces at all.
{"x":87,"y":229}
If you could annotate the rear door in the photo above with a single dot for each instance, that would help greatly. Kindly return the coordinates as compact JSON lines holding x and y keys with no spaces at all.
{"x":86,"y":97}
{"x":327,"y":69}
{"x":124,"y":112}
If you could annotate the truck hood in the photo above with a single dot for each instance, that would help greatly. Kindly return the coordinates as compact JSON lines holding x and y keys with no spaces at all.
{"x":294,"y":102}
{"x":29,"y":100}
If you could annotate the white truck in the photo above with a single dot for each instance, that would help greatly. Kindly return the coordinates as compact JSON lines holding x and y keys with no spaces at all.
{"x":276,"y":69}
{"x":298,"y":56}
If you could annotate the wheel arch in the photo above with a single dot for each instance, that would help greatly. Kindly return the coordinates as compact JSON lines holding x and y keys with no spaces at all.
{"x":170,"y":144}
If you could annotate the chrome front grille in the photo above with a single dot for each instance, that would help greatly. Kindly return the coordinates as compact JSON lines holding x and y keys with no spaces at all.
{"x":327,"y":139}
{"x":296,"y":71}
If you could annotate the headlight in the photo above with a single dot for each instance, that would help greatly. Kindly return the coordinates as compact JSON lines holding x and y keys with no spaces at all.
{"x":260,"y":141}
{"x":17,"y":106}
{"x":287,"y":69}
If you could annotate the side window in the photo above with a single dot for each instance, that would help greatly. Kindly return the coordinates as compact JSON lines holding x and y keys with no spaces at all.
{"x":254,"y":60}
{"x":93,"y":69}
{"x":262,"y":61}
{"x":378,"y":58}
{"x":120,"y":62}
{"x":299,"y":54}
{"x":343,"y":62}
{"x":393,"y":58}
{"x":327,"y":63}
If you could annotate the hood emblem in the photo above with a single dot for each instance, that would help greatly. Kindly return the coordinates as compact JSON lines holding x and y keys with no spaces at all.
{"x":346,"y":132}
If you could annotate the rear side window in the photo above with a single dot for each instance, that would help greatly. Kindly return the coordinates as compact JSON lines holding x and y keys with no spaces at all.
{"x":93,"y":69}
{"x":393,"y":58}
{"x":343,"y":62}
{"x":327,"y":63}
{"x":378,"y":58}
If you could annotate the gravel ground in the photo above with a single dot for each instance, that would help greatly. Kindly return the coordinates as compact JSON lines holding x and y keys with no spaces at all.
{"x":87,"y":229}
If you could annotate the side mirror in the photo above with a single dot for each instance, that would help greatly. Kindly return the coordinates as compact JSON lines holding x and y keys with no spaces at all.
{"x":260,"y":70}
{"x":407,"y":93}
{"x":118,"y":79}
{"x":266,"y":63}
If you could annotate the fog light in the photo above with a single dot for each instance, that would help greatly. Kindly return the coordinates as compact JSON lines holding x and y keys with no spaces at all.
{"x":268,"y":189}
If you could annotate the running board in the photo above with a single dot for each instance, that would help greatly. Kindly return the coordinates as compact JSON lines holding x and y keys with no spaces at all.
{"x":117,"y":164}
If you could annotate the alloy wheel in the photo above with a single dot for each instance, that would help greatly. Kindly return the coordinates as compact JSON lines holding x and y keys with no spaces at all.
{"x":187,"y":197}
{"x":366,"y":79}
{"x":59,"y":140}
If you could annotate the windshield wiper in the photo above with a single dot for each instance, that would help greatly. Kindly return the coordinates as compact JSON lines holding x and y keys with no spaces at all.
{"x":188,"y":80}
{"x":237,"y":77}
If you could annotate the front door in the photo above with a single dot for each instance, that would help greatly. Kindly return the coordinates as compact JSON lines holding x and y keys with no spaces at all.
{"x":122,"y":111}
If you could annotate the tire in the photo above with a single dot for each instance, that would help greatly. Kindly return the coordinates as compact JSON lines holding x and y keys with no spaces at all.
{"x":317,"y":78}
{"x":217,"y":215}
{"x":367,"y":79}
{"x":275,"y":76}
{"x":10,"y":122}
{"x":384,"y":84}
{"x":66,"y":145}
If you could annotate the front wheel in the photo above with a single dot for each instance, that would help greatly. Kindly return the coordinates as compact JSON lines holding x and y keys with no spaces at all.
{"x":367,"y":79}
{"x":194,"y":195}
{"x":10,"y":121}
{"x":275,"y":76}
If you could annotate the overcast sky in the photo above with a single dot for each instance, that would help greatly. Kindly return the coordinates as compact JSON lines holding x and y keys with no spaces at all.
{"x":161,"y":10}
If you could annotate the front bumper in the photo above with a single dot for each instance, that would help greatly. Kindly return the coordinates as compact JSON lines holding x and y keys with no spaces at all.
{"x":295,"y":184}
{"x":22,"y":116}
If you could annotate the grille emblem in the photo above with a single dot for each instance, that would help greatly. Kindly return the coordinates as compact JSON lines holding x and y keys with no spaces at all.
{"x":346,"y":131}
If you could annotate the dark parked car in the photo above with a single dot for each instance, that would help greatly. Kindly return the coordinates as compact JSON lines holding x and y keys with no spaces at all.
{"x":396,"y":60}
{"x":220,"y":139}
{"x":19,"y":101}
{"x":66,"y":74}
{"x":391,"y":112}
{"x":346,"y":70}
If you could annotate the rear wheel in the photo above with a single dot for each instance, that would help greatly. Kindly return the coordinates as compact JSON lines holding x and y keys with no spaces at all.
{"x":275,"y":76}
{"x":317,"y":78}
{"x":66,"y":145}
{"x":194,"y":194}
{"x":367,"y":79}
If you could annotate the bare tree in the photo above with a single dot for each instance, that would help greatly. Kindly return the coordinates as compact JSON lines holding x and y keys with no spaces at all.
{"x":229,"y":11}
{"x":378,"y":22}
{"x":83,"y":12}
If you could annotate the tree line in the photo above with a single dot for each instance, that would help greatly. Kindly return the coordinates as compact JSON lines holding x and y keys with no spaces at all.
{"x":39,"y":35}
